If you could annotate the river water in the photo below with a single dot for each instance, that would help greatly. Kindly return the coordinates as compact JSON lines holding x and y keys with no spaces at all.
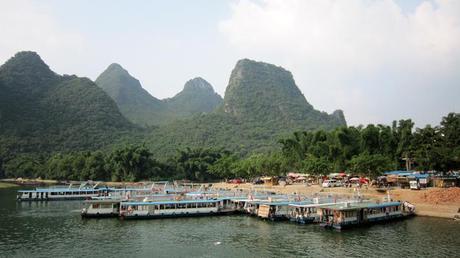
{"x":55,"y":229}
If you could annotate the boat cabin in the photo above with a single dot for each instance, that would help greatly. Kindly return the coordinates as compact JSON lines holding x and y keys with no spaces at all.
{"x":101,"y":208}
{"x":163,"y":209}
{"x":345,"y":215}
{"x":59,"y":194}
{"x":278,"y":210}
{"x":303,"y":213}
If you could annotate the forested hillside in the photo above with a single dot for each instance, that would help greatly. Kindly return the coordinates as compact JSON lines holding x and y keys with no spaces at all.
{"x":267,"y":94}
{"x":366,"y":151}
{"x":43,"y":112}
{"x":197,"y":97}
{"x":262,"y":103}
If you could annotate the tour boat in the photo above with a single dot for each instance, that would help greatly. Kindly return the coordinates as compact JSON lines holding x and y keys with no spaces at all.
{"x":308,"y":213}
{"x":346,"y":215}
{"x":175,"y":208}
{"x":303,"y":213}
{"x":84,"y":191}
{"x":101,"y":208}
{"x":276,"y":210}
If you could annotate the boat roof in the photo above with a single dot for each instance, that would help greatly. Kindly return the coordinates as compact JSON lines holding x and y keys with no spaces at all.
{"x":103,"y":201}
{"x":283,"y":203}
{"x":398,"y":172}
{"x":170,"y":202}
{"x":49,"y":190}
{"x":361,"y":205}
{"x":129,"y":189}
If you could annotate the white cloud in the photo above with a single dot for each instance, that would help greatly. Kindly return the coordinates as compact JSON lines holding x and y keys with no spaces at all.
{"x":359,"y":55}
{"x":27,"y":25}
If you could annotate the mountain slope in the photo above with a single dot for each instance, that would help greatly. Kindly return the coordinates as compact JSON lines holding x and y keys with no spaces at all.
{"x":43,"y":112}
{"x":198,"y":96}
{"x":262,"y":103}
{"x":143,"y":109}
{"x":260,"y":90}
{"x":134,"y":102}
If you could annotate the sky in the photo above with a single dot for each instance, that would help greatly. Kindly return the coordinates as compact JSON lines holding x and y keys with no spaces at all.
{"x":377,"y":60}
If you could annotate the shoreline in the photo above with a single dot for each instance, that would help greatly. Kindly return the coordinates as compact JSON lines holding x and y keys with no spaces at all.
{"x":425,"y":200}
{"x":4,"y":185}
{"x":427,"y":208}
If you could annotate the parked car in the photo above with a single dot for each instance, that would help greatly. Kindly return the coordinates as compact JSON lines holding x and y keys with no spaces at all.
{"x":257,"y":181}
{"x":330,"y":183}
{"x":235,"y":181}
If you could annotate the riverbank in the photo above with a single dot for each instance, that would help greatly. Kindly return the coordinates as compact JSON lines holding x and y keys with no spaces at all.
{"x":7,"y":185}
{"x":431,"y":202}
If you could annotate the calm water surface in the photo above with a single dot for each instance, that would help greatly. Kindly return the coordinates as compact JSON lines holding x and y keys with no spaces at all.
{"x":55,"y":229}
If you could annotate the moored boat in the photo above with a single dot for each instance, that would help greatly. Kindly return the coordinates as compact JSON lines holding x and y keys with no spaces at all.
{"x":102,"y":208}
{"x":347,"y":215}
{"x":85,"y":191}
{"x":276,"y":210}
{"x":168,"y":209}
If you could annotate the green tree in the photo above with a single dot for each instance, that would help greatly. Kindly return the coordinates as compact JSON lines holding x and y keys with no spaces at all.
{"x":131,"y":163}
{"x":316,"y":166}
{"x":95,"y":167}
{"x":195,"y":164}
{"x":371,"y":165}
{"x":225,"y":167}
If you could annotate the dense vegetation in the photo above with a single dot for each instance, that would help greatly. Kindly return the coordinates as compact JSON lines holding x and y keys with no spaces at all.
{"x":143,"y":109}
{"x":366,"y":151}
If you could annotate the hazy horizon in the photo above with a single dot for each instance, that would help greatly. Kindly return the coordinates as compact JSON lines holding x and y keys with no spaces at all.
{"x":378,"y":61}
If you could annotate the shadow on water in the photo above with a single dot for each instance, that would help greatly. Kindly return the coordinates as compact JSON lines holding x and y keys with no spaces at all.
{"x":55,"y":229}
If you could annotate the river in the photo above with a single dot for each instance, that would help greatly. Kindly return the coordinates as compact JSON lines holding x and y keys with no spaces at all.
{"x":55,"y":229}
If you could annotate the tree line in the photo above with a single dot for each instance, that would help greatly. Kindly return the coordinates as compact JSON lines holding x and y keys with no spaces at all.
{"x":366,"y":151}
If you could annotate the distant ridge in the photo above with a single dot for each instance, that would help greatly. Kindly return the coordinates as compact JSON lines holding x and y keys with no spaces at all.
{"x":198,"y":96}
{"x":140,"y":107}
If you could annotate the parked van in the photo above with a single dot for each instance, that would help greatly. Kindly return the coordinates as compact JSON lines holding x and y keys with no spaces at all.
{"x":330,"y":183}
{"x":414,"y":185}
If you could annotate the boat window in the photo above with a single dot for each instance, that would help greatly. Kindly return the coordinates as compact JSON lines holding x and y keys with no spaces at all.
{"x":95,"y":205}
{"x":161,"y":207}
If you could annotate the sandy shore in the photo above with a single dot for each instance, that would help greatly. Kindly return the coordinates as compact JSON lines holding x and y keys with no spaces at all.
{"x":428,"y":202}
